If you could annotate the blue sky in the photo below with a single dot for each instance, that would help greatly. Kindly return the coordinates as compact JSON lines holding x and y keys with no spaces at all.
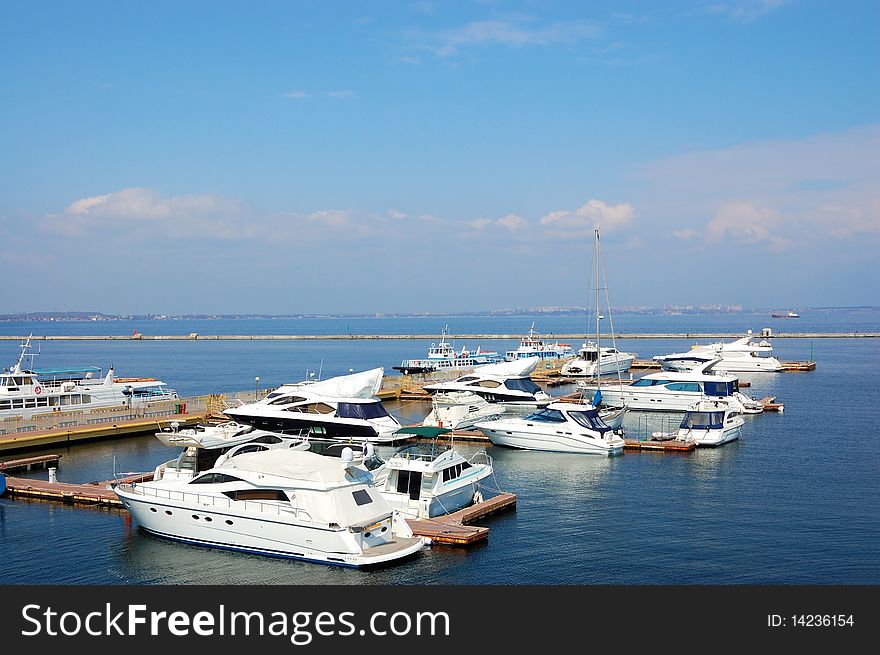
{"x":189,"y":157}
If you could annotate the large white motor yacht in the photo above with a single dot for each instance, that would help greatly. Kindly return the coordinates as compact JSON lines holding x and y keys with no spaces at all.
{"x":707,"y":423}
{"x":489,"y":392}
{"x":742,"y":355}
{"x":589,"y":363}
{"x":340,"y":407}
{"x":560,"y":427}
{"x":279,"y":502}
{"x":676,"y":390}
{"x":28,"y":392}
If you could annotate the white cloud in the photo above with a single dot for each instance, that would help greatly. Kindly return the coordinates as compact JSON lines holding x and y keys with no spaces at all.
{"x":740,"y":11}
{"x":393,"y":213}
{"x":518,"y":32}
{"x":512,"y":222}
{"x":297,"y":95}
{"x":686,"y":233}
{"x":594,"y":213}
{"x":743,"y":222}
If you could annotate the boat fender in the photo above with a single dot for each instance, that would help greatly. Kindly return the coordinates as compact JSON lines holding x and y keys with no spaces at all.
{"x":38,"y":389}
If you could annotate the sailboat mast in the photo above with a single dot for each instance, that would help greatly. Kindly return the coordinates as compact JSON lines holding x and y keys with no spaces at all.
{"x":598,"y":353}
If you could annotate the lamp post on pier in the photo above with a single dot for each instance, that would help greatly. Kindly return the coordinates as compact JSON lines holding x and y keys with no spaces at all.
{"x":256,"y":388}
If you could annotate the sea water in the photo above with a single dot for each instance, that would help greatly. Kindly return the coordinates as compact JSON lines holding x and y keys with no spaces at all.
{"x":794,"y":500}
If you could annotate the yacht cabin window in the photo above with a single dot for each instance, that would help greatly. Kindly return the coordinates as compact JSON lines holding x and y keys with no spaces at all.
{"x":522,"y":384}
{"x":488,"y":384}
{"x":684,"y":386}
{"x":547,"y":416}
{"x":590,"y":419}
{"x":646,"y":382}
{"x":361,"y":410}
{"x":361,"y":497}
{"x":214,"y":478}
{"x":312,"y":408}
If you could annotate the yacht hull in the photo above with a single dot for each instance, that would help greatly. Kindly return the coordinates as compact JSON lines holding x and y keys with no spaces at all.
{"x":502,"y":435}
{"x":714,"y":438}
{"x":646,"y":399}
{"x":578,"y":368}
{"x":209,"y":526}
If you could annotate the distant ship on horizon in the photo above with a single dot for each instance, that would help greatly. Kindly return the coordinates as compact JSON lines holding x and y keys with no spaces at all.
{"x":789,"y":314}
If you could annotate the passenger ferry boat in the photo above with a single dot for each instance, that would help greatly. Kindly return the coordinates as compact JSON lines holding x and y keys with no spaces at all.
{"x":443,"y":357}
{"x":533,"y":346}
{"x":26,"y":392}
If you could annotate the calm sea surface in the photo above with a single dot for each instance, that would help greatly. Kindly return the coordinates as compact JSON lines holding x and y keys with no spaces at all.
{"x":795,"y":500}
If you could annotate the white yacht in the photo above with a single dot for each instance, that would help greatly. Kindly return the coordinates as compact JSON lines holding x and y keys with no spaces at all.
{"x":279,"y":502}
{"x":707,"y":423}
{"x":425,"y":480}
{"x":742,"y":355}
{"x":489,"y":392}
{"x":590,"y":363}
{"x":676,"y":390}
{"x":443,"y":357}
{"x":28,"y":392}
{"x":340,"y":407}
{"x":560,"y":427}
{"x":532,"y":345}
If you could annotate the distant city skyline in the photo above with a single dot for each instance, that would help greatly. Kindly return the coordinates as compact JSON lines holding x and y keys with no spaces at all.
{"x":222,"y":158}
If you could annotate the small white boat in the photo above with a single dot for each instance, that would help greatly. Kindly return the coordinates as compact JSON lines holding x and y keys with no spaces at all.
{"x":279,"y":502}
{"x":707,"y":423}
{"x":560,"y":427}
{"x":588,"y":363}
{"x":424,"y":480}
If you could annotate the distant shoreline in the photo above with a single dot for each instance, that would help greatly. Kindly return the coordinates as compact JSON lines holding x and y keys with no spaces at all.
{"x":429,"y":337}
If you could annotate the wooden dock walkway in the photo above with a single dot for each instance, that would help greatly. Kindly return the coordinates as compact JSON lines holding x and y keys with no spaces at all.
{"x":455,"y":529}
{"x":668,"y":446}
{"x":27,"y":463}
{"x":89,"y":493}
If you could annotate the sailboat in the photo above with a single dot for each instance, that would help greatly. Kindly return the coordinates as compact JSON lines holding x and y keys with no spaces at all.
{"x":594,"y":360}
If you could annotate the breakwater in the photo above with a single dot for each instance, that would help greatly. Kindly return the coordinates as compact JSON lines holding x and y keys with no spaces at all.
{"x":427,"y":337}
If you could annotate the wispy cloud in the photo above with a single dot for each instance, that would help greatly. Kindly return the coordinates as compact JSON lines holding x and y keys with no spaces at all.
{"x":776,"y":193}
{"x":515,"y":32}
{"x":341,"y":94}
{"x":296,"y":95}
{"x":740,"y":11}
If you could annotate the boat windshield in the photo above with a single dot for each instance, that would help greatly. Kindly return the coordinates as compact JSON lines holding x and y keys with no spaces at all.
{"x":590,"y":419}
{"x":546,"y":416}
{"x":522,"y":384}
{"x":719,"y":388}
{"x":703,"y":420}
{"x":361,"y":410}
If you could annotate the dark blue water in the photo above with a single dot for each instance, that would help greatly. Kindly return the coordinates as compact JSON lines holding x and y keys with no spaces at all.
{"x":793,"y":501}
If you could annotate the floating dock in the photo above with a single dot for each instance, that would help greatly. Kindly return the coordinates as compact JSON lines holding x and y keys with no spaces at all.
{"x":27,"y":463}
{"x":667,"y":446}
{"x":90,"y":493}
{"x":454,"y":529}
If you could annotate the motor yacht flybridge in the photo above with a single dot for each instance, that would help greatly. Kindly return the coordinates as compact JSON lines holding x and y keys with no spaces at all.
{"x":532,"y":345}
